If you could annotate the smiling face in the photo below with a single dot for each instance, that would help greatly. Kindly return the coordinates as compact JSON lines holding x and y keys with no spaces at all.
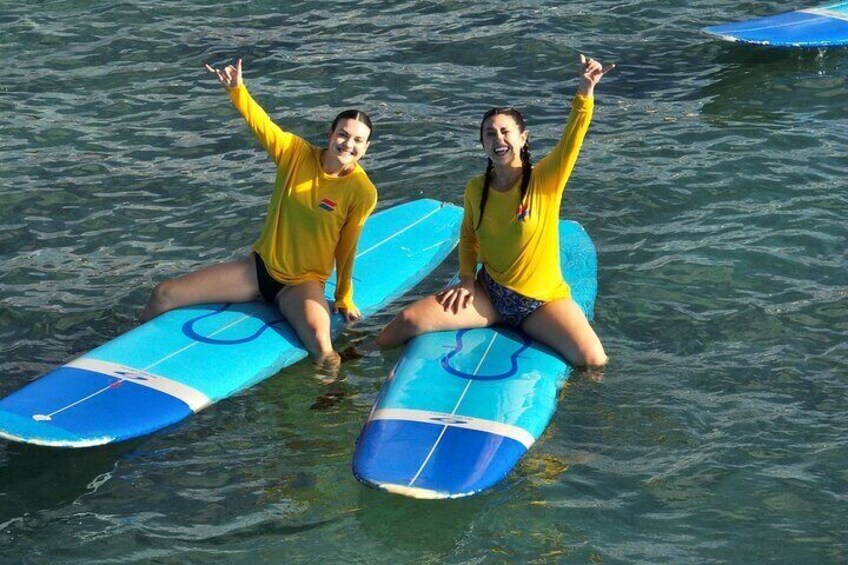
{"x":502,"y":138}
{"x":346,"y":145}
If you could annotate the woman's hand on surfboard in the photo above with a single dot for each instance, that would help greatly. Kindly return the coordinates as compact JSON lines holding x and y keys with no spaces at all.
{"x":590,"y":72}
{"x":457,"y":296}
{"x":350,"y":313}
{"x":229,"y":76}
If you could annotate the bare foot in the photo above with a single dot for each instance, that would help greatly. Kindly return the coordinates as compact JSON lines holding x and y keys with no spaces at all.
{"x":327,"y":371}
{"x":594,"y":373}
{"x":327,"y":367}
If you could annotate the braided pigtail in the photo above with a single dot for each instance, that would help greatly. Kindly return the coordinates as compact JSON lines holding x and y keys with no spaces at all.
{"x":485,"y":196}
{"x":526,"y":169}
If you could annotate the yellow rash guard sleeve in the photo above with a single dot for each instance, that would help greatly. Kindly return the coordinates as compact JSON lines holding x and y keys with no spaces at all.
{"x":273,"y":138}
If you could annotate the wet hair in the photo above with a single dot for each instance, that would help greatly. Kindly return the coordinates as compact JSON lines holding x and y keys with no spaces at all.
{"x":353,"y":115}
{"x":526,"y":163}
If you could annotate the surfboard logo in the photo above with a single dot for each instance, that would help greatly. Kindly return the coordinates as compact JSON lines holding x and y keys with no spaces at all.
{"x":129,"y":376}
{"x":449,"y":420}
{"x":327,"y":204}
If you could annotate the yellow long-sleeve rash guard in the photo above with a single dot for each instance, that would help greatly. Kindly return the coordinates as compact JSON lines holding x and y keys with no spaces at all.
{"x":313,"y":218}
{"x":523,"y":255}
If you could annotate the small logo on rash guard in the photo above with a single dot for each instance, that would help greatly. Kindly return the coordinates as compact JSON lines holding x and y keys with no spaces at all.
{"x":327,"y":204}
{"x":522,"y":212}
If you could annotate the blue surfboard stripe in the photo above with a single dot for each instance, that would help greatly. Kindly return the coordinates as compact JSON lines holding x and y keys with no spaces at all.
{"x":126,"y":403}
{"x":189,"y":331}
{"x":477,"y":375}
{"x":451,"y":469}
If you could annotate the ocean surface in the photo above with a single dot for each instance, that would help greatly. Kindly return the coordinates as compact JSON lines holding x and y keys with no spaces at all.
{"x":713,"y":182}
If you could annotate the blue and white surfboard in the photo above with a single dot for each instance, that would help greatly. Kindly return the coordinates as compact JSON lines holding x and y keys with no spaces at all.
{"x":461,"y":408}
{"x":184,"y":360}
{"x":811,"y":27}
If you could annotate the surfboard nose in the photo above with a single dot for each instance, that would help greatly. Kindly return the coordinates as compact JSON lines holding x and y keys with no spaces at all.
{"x":65,"y":408}
{"x":440,"y":460}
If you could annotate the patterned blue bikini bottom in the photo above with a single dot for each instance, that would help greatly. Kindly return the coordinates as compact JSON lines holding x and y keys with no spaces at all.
{"x":513,"y":307}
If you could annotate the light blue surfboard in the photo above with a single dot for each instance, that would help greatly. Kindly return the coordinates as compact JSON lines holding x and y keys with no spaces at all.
{"x":811,"y":27}
{"x":182,"y":361}
{"x":461,"y":408}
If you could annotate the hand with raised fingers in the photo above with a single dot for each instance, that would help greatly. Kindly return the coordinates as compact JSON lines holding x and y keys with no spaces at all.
{"x":590,"y":72}
{"x":229,"y":76}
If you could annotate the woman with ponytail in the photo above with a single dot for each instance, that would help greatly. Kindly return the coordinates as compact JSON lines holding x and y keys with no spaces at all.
{"x":511,"y":227}
{"x":319,"y":205}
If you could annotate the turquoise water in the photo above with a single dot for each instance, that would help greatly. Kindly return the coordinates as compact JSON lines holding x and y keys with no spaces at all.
{"x":712,"y":181}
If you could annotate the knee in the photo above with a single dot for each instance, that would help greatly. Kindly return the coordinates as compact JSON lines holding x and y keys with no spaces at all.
{"x":163,"y":296}
{"x":406,"y":325}
{"x":408,"y":320}
{"x":161,"y":300}
{"x":595,"y":356}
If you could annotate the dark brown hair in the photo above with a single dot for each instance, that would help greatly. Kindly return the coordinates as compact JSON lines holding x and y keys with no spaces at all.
{"x":526,"y":163}
{"x":353,"y":115}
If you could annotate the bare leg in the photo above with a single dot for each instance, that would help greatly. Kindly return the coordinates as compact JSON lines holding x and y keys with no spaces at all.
{"x":428,"y":315}
{"x":225,"y":282}
{"x":561,"y":325}
{"x":306,"y":309}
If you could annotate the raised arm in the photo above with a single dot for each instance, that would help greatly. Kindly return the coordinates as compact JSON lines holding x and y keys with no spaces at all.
{"x":553,"y":170}
{"x":272,"y":137}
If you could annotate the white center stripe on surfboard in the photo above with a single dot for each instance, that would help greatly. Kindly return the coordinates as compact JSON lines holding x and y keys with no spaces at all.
{"x":823,"y":12}
{"x":453,"y":412}
{"x":397,"y":233}
{"x":196,"y":343}
{"x":195,"y":399}
{"x":476,"y":370}
{"x":826,"y":13}
{"x":449,"y":420}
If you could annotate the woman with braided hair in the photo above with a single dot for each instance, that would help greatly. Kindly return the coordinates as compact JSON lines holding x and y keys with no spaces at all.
{"x":511,"y":226}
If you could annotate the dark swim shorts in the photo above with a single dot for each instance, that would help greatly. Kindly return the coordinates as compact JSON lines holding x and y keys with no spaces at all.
{"x":513,"y":307}
{"x":268,"y":286}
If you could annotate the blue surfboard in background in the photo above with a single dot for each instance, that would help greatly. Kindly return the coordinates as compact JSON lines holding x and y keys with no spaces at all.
{"x":184,"y":360}
{"x":461,"y":408}
{"x":810,"y":27}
